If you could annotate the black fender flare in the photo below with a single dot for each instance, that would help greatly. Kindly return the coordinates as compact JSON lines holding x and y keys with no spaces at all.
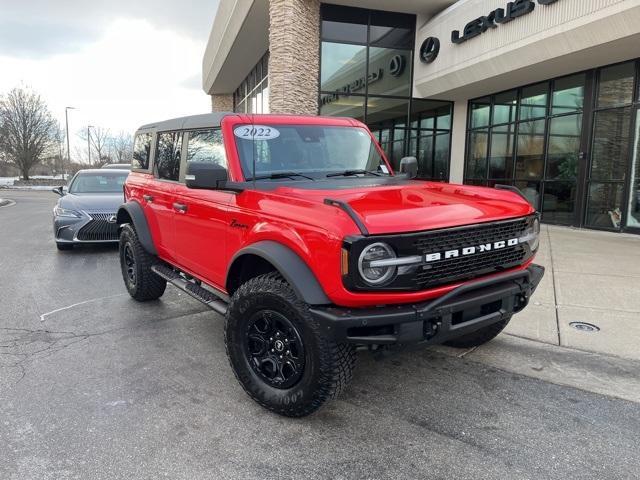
{"x":134,"y":211}
{"x":289,"y":264}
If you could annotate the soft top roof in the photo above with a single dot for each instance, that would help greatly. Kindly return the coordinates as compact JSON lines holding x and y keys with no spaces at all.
{"x":209,"y":120}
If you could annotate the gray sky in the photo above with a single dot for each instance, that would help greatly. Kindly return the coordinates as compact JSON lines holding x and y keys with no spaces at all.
{"x":121,"y":63}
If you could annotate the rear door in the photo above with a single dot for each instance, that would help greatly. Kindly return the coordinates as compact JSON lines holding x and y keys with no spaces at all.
{"x":159,"y":198}
{"x":201,"y":226}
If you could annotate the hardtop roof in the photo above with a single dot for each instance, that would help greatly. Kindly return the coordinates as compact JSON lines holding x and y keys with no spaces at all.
{"x":208,"y":120}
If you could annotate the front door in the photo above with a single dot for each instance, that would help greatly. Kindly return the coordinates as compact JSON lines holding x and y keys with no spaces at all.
{"x":201,"y":224}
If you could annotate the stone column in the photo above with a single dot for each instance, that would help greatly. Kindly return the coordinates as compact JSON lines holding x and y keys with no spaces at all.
{"x":294,"y":51}
{"x":458,"y":141}
{"x":222,"y":102}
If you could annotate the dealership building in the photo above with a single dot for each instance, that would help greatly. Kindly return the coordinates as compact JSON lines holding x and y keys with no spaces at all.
{"x":540,"y":94}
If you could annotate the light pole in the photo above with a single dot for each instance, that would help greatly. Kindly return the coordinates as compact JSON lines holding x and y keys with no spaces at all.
{"x":89,"y":127}
{"x":66,"y":119}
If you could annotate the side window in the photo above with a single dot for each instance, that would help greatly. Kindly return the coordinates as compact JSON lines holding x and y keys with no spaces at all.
{"x":141,"y":151}
{"x":206,"y":146}
{"x":167,"y":161}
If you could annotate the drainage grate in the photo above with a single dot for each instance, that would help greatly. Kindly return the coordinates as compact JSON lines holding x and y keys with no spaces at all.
{"x":585,"y":327}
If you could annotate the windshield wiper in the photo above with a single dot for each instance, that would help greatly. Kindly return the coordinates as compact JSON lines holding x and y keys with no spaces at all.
{"x":351,"y":173}
{"x":275,"y":176}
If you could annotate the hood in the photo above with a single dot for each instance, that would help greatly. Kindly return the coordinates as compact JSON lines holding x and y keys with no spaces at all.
{"x":93,"y":202}
{"x":411,"y":206}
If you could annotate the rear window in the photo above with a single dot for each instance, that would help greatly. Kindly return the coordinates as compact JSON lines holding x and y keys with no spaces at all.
{"x":141,"y":151}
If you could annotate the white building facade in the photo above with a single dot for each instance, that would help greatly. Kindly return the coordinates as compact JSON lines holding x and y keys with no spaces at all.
{"x":540,"y":94}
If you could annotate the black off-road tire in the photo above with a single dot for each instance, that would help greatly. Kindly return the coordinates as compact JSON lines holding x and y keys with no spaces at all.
{"x":479,"y":337}
{"x":64,"y":246}
{"x":327,"y":367}
{"x":142,"y":284}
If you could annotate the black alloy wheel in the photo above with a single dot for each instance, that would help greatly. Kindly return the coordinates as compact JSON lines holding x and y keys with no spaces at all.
{"x":130,"y":264}
{"x":274,"y":349}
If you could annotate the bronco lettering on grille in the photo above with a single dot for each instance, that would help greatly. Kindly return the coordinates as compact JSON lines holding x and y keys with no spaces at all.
{"x":462,"y":252}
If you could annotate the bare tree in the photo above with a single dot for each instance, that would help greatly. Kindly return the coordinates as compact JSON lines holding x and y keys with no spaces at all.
{"x":99,"y":141}
{"x":26,"y":128}
{"x":122,"y":147}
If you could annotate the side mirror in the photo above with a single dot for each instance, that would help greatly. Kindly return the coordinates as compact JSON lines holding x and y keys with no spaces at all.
{"x":409,"y":166}
{"x":59,"y":190}
{"x":206,"y":175}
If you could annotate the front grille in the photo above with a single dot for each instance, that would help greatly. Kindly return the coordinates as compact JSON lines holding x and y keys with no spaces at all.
{"x":445,"y":271}
{"x":462,"y":268}
{"x":99,"y":229}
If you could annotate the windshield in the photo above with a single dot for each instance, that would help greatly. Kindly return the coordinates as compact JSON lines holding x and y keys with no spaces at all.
{"x":307,"y":150}
{"x":98,"y":182}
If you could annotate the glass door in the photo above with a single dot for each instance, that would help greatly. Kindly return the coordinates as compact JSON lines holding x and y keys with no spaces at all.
{"x":633,"y":213}
{"x":610,"y":147}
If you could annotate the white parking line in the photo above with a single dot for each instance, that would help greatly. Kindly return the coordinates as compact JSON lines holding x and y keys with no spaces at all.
{"x":45,"y":315}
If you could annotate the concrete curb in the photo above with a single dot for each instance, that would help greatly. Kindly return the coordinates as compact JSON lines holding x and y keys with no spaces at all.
{"x":593,"y":372}
{"x":5,"y":202}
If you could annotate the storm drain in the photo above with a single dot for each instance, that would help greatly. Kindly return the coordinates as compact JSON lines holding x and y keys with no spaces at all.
{"x":585,"y":327}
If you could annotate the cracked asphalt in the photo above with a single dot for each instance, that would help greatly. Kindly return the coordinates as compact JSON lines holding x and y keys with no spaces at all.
{"x":94,"y":385}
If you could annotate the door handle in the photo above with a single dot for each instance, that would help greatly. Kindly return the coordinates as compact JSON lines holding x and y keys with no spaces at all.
{"x":180,"y":207}
{"x":148,"y":198}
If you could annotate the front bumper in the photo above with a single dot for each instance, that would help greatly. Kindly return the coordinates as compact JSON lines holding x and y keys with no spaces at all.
{"x":466,"y":309}
{"x":90,"y":228}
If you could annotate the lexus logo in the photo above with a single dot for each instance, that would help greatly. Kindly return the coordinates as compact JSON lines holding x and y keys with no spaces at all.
{"x":429,"y":50}
{"x":112,"y":219}
{"x":397,"y":65}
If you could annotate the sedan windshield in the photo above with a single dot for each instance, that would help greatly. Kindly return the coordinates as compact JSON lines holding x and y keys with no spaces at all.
{"x":103,"y":181}
{"x":299,"y":152}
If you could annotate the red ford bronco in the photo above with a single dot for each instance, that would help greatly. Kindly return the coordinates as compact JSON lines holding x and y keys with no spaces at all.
{"x":299,"y":232}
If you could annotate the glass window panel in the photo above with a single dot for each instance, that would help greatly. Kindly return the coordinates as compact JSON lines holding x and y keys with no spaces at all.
{"x":389,"y":72}
{"x":559,"y":202}
{"x":441,"y":159}
{"x":480,"y":112}
{"x":477,"y":154}
{"x":504,"y":109}
{"x":616,"y":85}
{"x":530,"y":156}
{"x":633,"y":219}
{"x":425,"y":111}
{"x":343,"y":68}
{"x":206,"y":146}
{"x":142,"y":151}
{"x":392,"y":30}
{"x":344,"y":24}
{"x":534,"y":101}
{"x":531,"y":190}
{"x":387,"y":111}
{"x":425,"y":155}
{"x":568,"y":94}
{"x":610,"y":144}
{"x":335,"y":105}
{"x":501,"y":160}
{"x":605,"y":203}
{"x":563,"y":150}
{"x":444,"y":120}
{"x":477,"y":183}
{"x":167,"y":160}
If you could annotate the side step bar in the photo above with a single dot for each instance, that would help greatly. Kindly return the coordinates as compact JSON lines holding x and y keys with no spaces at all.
{"x":210,"y":299}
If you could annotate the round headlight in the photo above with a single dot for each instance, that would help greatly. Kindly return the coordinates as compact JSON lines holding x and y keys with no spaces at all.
{"x":376,"y":274}
{"x":534,"y":243}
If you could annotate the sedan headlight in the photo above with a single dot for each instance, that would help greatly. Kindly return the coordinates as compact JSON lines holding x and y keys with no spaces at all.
{"x":376,"y":263}
{"x":65,"y":212}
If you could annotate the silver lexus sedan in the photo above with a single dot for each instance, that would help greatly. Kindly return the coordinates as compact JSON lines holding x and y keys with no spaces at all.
{"x":86,"y":211}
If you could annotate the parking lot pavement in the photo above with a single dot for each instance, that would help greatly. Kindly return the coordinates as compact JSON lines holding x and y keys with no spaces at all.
{"x":95,"y":385}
